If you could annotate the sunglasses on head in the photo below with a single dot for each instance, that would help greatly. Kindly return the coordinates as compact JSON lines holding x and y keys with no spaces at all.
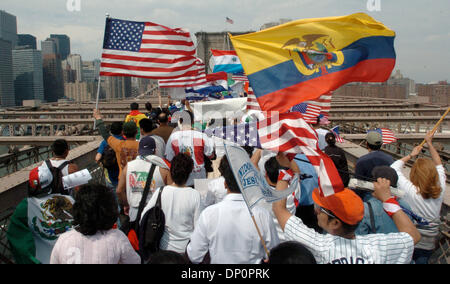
{"x":325,"y":211}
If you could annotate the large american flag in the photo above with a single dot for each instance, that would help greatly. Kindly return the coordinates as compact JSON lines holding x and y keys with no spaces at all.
{"x":188,"y":81}
{"x":288,"y":133}
{"x":312,"y":109}
{"x":147,"y":50}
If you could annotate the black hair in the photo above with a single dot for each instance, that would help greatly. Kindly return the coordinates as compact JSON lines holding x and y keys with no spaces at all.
{"x":129,"y":134}
{"x":346,"y":228}
{"x":249,"y":150}
{"x":95,"y":209}
{"x":291,"y":252}
{"x":163,"y":117}
{"x":134,"y":106}
{"x":227,"y":173}
{"x":116,"y":127}
{"x":191,"y":116}
{"x":167,"y":257}
{"x":272,"y":168}
{"x":180,"y":168}
{"x":374,"y":147}
{"x":330,"y":139}
{"x":147,"y":125}
{"x":59,"y":147}
{"x":148,"y":106}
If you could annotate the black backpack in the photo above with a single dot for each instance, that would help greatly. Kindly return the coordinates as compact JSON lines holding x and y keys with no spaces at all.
{"x":56,"y":186}
{"x":109,"y":158}
{"x":151,"y":229}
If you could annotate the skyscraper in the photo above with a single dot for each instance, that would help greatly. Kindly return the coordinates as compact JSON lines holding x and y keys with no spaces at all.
{"x":117,"y":88}
{"x":6,"y":74}
{"x":28,"y":77}
{"x":49,"y":46}
{"x":63,"y":44}
{"x":53,"y":77}
{"x":76,"y":64}
{"x":26,"y":40}
{"x":8,"y":27}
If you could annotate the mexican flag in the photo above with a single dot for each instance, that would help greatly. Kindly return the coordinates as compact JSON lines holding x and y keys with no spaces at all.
{"x":36,"y":225}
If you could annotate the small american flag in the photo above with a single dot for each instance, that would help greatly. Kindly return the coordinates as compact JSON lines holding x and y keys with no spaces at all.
{"x":147,"y":50}
{"x":387,"y":135}
{"x":228,"y":20}
{"x":238,"y":77}
{"x":335,"y":131}
{"x":312,"y":109}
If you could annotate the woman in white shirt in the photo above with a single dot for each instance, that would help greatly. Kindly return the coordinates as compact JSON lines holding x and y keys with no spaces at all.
{"x":180,"y":204}
{"x":424,"y":193}
{"x":94,"y":241}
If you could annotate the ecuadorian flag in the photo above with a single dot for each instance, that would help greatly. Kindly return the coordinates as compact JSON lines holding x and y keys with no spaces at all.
{"x":303,"y":59}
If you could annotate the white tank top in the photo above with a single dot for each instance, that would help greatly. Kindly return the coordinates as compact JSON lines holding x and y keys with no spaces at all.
{"x":137,"y":172}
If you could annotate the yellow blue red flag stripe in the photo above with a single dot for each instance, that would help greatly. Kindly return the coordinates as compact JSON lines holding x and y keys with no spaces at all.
{"x":303,"y":59}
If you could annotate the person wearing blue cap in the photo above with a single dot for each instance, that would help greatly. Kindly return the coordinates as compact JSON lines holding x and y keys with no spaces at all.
{"x":135,"y":174}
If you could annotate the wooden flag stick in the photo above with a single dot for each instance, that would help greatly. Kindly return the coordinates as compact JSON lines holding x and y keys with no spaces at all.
{"x":437,"y":125}
{"x":260,"y":236}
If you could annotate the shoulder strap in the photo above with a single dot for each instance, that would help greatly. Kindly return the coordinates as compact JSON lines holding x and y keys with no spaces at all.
{"x":63,"y":165}
{"x":49,"y":164}
{"x":145,"y":193}
{"x":372,"y":219}
{"x":158,"y":202}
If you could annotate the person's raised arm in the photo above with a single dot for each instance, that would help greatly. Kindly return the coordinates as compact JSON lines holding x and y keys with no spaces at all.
{"x":416,"y":151}
{"x":392,"y":208}
{"x":279,"y":207}
{"x":434,"y":154}
{"x":100,"y":124}
{"x":256,"y":157}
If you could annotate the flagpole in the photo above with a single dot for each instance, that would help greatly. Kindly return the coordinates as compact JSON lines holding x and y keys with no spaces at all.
{"x":437,"y":125}
{"x":100,"y":77}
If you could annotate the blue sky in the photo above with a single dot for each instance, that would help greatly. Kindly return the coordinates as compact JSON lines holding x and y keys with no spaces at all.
{"x":422,"y":27}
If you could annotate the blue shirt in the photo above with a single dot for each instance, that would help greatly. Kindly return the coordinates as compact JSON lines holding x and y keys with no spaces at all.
{"x":382,"y":223}
{"x":307,"y":185}
{"x":365,"y":164}
{"x":113,"y":175}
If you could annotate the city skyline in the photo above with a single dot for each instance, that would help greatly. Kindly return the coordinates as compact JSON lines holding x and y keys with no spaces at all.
{"x":421,"y":28}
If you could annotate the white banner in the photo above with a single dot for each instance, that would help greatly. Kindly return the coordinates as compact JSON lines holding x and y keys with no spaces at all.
{"x":226,"y":108}
{"x":253,"y":185}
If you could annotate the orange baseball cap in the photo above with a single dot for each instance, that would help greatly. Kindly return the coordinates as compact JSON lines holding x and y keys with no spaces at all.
{"x":346,"y":205}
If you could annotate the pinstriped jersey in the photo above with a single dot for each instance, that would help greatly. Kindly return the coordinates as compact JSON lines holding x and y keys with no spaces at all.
{"x":394,"y":248}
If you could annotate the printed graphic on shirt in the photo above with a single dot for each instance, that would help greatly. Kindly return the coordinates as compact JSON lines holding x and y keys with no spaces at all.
{"x":186,"y":150}
{"x":52,"y":217}
{"x":127,"y":155}
{"x":350,"y":260}
{"x":137,"y":181}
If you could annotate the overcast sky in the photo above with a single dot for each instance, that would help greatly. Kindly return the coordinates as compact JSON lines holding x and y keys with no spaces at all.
{"x":422,"y":27}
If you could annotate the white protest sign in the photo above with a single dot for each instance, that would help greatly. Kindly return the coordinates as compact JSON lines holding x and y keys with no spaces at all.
{"x":253,"y":185}
{"x":76,"y":179}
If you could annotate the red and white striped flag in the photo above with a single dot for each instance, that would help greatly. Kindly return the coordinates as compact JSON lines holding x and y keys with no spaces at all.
{"x":290,"y":133}
{"x":188,"y":81}
{"x":147,"y":50}
{"x":388,"y":136}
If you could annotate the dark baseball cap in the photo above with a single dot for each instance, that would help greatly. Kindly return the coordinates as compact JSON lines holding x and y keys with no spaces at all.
{"x":387,"y":173}
{"x":147,"y":146}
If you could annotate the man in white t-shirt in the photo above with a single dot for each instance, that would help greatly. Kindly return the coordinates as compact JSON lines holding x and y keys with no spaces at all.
{"x":193,"y":143}
{"x":339,"y":215}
